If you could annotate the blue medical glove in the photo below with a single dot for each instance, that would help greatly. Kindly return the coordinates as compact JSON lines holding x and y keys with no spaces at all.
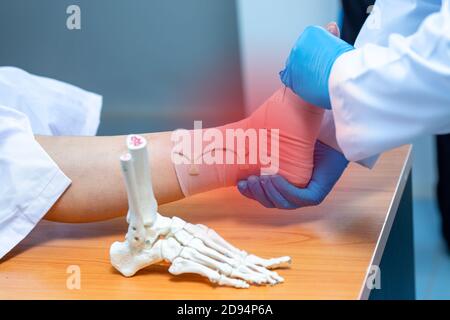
{"x":277,"y":192}
{"x":309,"y":65}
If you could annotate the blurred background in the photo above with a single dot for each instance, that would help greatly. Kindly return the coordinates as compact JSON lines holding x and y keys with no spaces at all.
{"x":161,"y":64}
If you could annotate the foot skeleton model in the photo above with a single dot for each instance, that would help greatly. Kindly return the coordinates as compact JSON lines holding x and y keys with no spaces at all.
{"x":153,"y":238}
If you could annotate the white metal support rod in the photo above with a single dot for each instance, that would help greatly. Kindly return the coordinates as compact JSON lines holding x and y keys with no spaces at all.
{"x":148,"y":206}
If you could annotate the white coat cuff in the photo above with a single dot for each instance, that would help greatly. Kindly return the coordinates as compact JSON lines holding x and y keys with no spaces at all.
{"x":347,"y":129}
{"x":328,"y":136}
{"x":19,"y":224}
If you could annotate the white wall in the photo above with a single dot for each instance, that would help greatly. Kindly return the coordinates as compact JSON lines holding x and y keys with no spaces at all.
{"x":268,"y":29}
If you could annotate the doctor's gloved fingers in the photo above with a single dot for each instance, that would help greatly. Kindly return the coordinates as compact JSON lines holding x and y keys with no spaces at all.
{"x":274,"y":195}
{"x":254,"y":185}
{"x":300,"y":197}
{"x":271,"y":194}
{"x":286,"y":75}
{"x":244,"y":190}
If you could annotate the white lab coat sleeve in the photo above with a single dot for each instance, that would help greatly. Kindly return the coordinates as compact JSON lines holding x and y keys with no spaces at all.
{"x":395,"y":16}
{"x":327,"y":136}
{"x":402,"y":18}
{"x":30,"y":182}
{"x":384,"y":97}
{"x":52,"y":107}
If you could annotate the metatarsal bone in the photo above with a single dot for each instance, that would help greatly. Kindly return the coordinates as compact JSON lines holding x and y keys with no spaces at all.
{"x":225,"y":269}
{"x":215,"y":241}
{"x":240,"y":269}
{"x":198,"y":228}
{"x":197,"y":251}
{"x":181,"y":265}
{"x":198,"y":244}
{"x":194,"y":255}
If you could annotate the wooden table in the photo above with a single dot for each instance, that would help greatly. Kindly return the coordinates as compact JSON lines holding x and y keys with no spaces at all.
{"x":333,"y":245}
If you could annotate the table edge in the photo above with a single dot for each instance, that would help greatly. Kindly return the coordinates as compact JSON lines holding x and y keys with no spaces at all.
{"x":364,"y":293}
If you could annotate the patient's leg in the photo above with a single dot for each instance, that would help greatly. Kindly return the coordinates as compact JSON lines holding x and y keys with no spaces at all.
{"x":298,"y":125}
{"x":97,"y":191}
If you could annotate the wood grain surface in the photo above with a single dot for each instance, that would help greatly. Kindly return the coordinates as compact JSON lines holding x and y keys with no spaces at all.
{"x":331,"y":245}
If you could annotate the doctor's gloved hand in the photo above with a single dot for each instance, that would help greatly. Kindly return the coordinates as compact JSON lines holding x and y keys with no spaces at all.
{"x":310,"y":62}
{"x":277,"y":192}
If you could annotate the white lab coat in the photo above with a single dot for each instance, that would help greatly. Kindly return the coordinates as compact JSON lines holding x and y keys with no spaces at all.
{"x":30,"y":181}
{"x":395,"y":86}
